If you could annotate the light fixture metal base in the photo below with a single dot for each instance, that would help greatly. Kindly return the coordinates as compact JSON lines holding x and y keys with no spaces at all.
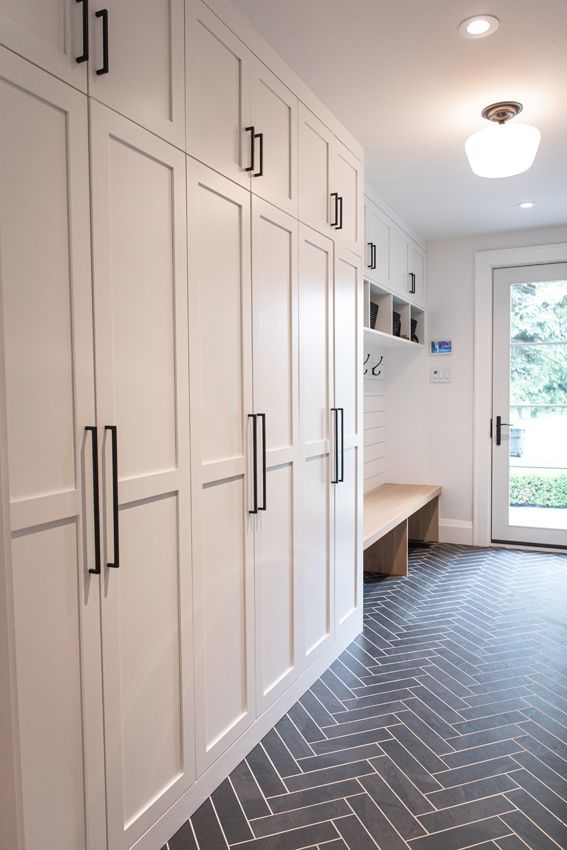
{"x":502,"y":112}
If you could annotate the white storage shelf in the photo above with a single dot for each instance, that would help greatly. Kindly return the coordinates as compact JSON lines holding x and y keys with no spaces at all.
{"x":379,"y":308}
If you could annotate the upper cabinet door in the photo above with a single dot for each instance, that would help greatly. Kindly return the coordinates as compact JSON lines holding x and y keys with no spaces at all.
{"x":274,"y":120}
{"x":416,"y":269}
{"x":51,"y":34}
{"x":137,"y":63}
{"x":220,"y":356}
{"x":377,"y":247}
{"x":347,"y":199}
{"x":315,"y":152}
{"x":141,"y":341}
{"x":276,"y":396}
{"x":46,"y":298}
{"x":399,"y":275}
{"x":218,"y":95}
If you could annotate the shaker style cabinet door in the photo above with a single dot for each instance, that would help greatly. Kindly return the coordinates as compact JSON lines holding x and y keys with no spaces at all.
{"x":348,"y":491}
{"x":273,"y":117}
{"x":52,"y":35}
{"x":377,"y":246}
{"x":416,"y":273}
{"x":218,"y":95}
{"x":220,"y":355}
{"x":347,"y":190}
{"x":137,"y":62}
{"x":399,"y":277}
{"x":318,"y":450}
{"x":314,"y":164}
{"x":140,"y":302}
{"x":46,"y":299}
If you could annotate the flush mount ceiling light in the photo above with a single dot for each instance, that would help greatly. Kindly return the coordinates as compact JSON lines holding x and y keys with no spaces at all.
{"x":479,"y":27}
{"x":504,"y":149}
{"x":526,"y":205}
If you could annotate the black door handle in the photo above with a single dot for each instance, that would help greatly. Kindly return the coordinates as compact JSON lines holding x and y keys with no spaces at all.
{"x":370,"y":266}
{"x":252,"y":166}
{"x":84,"y":57}
{"x":340,"y":215}
{"x":335,"y":478}
{"x":342,"y":475}
{"x":499,"y":425}
{"x":335,"y":196}
{"x":115,"y":563}
{"x":92,"y":429}
{"x":373,"y":255}
{"x":260,"y":137}
{"x":254,"y":419}
{"x":412,"y":285}
{"x":103,"y":13}
{"x":262,"y":507}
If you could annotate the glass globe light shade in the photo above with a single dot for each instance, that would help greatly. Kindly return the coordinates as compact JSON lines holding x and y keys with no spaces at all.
{"x":503,"y":150}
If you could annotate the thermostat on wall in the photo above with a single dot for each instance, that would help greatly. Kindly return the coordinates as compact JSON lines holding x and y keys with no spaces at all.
{"x":441,"y":346}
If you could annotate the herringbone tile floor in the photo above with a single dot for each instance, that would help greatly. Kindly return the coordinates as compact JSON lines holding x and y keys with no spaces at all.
{"x":442,"y":727}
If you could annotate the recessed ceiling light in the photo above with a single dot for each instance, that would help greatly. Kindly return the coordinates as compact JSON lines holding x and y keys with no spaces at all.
{"x":479,"y":26}
{"x":526,"y":205}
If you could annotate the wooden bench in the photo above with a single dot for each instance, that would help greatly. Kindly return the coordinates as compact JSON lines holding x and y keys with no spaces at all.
{"x":394,"y":514}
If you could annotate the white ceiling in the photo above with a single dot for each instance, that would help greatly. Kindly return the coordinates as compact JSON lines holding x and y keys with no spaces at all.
{"x":410,"y":89}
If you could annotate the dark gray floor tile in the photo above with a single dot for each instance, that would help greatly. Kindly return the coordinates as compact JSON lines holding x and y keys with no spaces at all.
{"x":293,"y":739}
{"x":472,"y":791}
{"x":326,"y":696}
{"x":492,"y":708}
{"x":378,"y":710}
{"x":424,"y":732}
{"x":319,"y":794}
{"x":490,"y":736}
{"x":437,"y":705}
{"x":356,"y":739}
{"x":264,"y":772}
{"x":544,"y":795}
{"x":293,"y":839}
{"x":466,"y":813}
{"x":330,"y":774}
{"x":402,"y":785}
{"x":555,"y":781}
{"x":295,"y":818}
{"x":376,"y":823}
{"x":230,"y":814}
{"x":545,"y":820}
{"x":492,"y":722}
{"x":431,"y":718}
{"x":354,"y":834}
{"x":366,"y":751}
{"x":316,"y":710}
{"x":418,"y":749}
{"x":529,"y":832}
{"x":461,"y":758}
{"x":512,"y":842}
{"x":279,"y":754}
{"x":420,"y":777}
{"x":304,"y":723}
{"x":183,"y":839}
{"x":207,"y":828}
{"x":392,"y":807}
{"x":481,"y":770}
{"x":362,"y":725}
{"x":462,"y":836}
{"x":248,"y":793}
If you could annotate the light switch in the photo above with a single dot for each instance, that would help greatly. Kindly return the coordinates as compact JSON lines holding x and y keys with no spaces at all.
{"x":441,"y":375}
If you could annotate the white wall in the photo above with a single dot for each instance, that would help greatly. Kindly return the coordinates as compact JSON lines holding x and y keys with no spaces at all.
{"x":450,"y":303}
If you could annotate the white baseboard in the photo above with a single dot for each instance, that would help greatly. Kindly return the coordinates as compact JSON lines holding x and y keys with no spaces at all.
{"x":456,"y":531}
{"x":189,"y":802}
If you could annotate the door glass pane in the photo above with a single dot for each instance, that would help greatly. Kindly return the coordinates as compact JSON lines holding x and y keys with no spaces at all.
{"x":537,"y":434}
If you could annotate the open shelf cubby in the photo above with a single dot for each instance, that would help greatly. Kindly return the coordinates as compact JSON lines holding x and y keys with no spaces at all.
{"x":379,"y":308}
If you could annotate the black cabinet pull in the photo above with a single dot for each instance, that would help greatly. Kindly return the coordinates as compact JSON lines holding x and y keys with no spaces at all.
{"x":103,"y":13}
{"x":373,"y":255}
{"x":92,"y":429}
{"x":340,"y":212}
{"x":412,"y":286}
{"x":335,"y":197}
{"x":335,"y":478}
{"x":252,"y":166}
{"x":260,"y":172}
{"x":341,"y":477}
{"x":115,"y":563}
{"x":84,"y":57}
{"x":262,"y":507}
{"x":254,"y":419}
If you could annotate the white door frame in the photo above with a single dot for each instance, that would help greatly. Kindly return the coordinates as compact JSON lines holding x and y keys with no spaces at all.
{"x":485,"y":263}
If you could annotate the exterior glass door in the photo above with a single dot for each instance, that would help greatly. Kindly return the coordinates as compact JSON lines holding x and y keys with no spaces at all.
{"x":529,"y":417}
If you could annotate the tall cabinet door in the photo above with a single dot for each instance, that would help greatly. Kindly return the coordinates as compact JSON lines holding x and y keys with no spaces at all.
{"x":144,"y":75}
{"x":220,"y":354}
{"x":377,"y":258}
{"x":47,"y":356}
{"x":317,"y":455}
{"x":274,"y":118}
{"x":316,"y":144}
{"x":49,"y":35}
{"x":218,"y":95}
{"x":347,"y":182}
{"x":140,"y":288}
{"x":348,"y":399}
{"x":276,"y":394}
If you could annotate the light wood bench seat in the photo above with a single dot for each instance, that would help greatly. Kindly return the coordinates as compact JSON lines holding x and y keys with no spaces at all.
{"x":394,"y":514}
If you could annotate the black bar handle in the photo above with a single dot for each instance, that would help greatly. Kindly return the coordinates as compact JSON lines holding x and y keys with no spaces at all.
{"x":412,"y":285}
{"x":342,"y":475}
{"x":262,"y":507}
{"x":370,"y":265}
{"x":254,"y":419}
{"x":335,"y":196}
{"x":499,"y":425}
{"x":252,"y":166}
{"x":92,"y":429}
{"x":115,"y":563}
{"x":335,"y":478}
{"x":340,"y":215}
{"x":84,"y":57}
{"x":103,"y":13}
{"x":373,"y":255}
{"x":260,"y":137}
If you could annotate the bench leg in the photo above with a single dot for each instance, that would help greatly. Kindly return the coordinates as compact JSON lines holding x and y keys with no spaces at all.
{"x":389,"y":555}
{"x":424,"y":524}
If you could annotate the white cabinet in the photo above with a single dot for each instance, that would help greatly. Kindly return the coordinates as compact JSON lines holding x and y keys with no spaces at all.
{"x":399,"y":277}
{"x":377,"y":248}
{"x":220,"y":355}
{"x":316,"y":369}
{"x":218,"y":94}
{"x":416,"y":271}
{"x":140,"y":302}
{"x":347,"y":199}
{"x":348,"y":303}
{"x":273,"y":138}
{"x":52,"y":35}
{"x":47,"y":356}
{"x":137,"y":63}
{"x":315,"y":154}
{"x":276,"y":399}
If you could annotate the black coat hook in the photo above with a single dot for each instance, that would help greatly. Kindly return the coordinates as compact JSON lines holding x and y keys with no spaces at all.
{"x":365,"y":362}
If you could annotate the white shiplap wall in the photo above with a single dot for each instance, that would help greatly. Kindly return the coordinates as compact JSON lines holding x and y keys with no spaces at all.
{"x":374,"y":423}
